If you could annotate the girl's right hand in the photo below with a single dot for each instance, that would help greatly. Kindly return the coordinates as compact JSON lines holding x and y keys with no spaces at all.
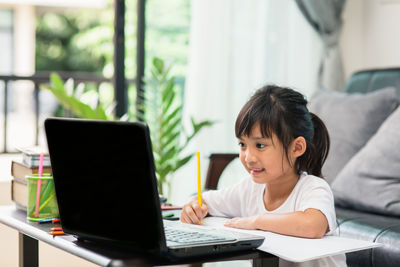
{"x":192,"y":212}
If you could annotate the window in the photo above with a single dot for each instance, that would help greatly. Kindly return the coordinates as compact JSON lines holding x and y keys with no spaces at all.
{"x":6,"y":40}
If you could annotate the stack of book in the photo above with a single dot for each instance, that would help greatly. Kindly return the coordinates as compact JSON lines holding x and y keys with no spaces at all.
{"x":29,"y":164}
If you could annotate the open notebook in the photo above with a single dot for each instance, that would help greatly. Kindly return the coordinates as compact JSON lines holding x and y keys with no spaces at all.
{"x":106,"y":190}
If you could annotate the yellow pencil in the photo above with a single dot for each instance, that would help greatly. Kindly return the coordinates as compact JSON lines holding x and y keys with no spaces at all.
{"x":198,"y":180}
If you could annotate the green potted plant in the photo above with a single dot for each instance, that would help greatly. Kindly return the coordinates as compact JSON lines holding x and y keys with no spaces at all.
{"x":162,"y":111}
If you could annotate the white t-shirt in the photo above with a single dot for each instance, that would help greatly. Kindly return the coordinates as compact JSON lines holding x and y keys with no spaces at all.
{"x":245,"y":198}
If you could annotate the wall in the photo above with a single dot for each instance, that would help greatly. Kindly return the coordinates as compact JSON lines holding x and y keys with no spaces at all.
{"x":370,"y":36}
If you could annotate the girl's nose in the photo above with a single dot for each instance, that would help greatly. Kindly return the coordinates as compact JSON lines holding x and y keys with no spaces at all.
{"x":249,"y":156}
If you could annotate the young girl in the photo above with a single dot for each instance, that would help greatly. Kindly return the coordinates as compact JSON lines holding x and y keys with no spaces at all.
{"x":283,"y":147}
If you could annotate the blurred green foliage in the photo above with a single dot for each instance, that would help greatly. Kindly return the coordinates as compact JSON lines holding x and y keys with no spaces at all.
{"x":167,"y":33}
{"x":60,"y":43}
{"x":82,"y":40}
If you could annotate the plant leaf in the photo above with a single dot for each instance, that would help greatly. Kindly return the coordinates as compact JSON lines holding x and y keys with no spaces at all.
{"x":158,"y":65}
{"x":183,"y":161}
{"x":164,"y":172}
{"x":168,"y":90}
{"x":198,"y":126}
{"x":171,"y":127}
{"x":70,"y":102}
{"x":169,"y":154}
{"x":171,"y":116}
{"x":173,"y":137}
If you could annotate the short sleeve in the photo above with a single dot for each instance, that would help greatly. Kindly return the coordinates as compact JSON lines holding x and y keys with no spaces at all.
{"x":226,"y":202}
{"x":316,"y":194}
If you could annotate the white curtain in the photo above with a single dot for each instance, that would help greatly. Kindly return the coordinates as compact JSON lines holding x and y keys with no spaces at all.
{"x":235,"y":48}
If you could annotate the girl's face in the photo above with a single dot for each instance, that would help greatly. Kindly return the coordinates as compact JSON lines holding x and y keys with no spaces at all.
{"x":264,"y":158}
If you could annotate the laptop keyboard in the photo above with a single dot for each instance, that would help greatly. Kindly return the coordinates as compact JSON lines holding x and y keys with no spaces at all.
{"x":186,"y":236}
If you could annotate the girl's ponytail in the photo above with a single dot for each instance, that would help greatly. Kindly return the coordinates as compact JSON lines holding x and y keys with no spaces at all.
{"x":317,"y":150}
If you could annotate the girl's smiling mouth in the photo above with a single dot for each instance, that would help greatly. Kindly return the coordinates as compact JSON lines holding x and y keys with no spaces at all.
{"x":254,"y":171}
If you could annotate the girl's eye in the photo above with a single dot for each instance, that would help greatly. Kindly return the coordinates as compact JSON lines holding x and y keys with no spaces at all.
{"x":260,"y":145}
{"x":241,"y":144}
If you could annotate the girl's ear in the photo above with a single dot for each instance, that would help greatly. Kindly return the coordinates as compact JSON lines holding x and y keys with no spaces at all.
{"x":298,"y":147}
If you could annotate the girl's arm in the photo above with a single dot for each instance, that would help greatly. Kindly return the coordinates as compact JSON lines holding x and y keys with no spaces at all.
{"x":310,"y":223}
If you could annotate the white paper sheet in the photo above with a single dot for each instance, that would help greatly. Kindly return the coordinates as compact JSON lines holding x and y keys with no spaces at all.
{"x":299,"y":249}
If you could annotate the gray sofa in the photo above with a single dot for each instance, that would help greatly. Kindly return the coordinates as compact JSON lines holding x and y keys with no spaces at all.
{"x":379,"y":222}
{"x":365,"y":178}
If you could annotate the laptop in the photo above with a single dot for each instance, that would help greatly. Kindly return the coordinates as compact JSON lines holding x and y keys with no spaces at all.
{"x":106,"y":190}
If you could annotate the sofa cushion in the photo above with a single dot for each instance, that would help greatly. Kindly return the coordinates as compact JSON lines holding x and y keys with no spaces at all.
{"x":374,"y":228}
{"x":351,"y":120}
{"x":389,"y":253}
{"x":371,"y":179}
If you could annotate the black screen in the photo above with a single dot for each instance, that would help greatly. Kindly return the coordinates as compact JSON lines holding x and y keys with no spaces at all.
{"x":105,"y":181}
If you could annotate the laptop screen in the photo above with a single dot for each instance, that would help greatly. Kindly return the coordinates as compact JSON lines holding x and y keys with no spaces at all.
{"x":105,"y":181}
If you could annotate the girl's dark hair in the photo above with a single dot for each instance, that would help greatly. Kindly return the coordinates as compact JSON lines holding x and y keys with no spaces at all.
{"x":284,"y":112}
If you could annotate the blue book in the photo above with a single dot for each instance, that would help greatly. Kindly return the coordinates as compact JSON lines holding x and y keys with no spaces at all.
{"x":31,"y":156}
